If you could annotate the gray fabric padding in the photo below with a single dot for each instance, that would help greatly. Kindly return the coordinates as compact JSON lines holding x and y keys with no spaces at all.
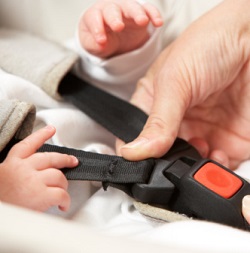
{"x":16,"y":119}
{"x":42,"y":62}
{"x":159,"y":213}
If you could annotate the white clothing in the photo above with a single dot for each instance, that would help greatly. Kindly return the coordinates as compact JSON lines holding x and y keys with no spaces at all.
{"x":109,"y":213}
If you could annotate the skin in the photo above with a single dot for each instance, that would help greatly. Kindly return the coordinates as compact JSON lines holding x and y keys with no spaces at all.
{"x":198,"y":88}
{"x":205,"y":76}
{"x":33,"y":180}
{"x":108,"y":25}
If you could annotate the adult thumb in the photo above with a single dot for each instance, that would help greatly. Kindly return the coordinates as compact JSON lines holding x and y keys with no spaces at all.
{"x":166,"y":103}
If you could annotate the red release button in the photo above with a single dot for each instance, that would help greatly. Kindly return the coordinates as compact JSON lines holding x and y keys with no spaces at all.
{"x":218,"y":180}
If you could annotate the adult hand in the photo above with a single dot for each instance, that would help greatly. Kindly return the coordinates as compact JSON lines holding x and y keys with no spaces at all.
{"x":32,"y":180}
{"x":114,"y":27}
{"x":199,"y":89}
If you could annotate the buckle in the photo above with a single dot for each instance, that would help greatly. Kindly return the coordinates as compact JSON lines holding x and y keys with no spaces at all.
{"x":159,"y":188}
{"x":208,"y":191}
{"x":200,"y":188}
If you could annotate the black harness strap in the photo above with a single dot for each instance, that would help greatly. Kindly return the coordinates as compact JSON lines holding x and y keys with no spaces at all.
{"x":105,"y":168}
{"x":168,"y":181}
{"x":111,"y":170}
{"x":122,"y":119}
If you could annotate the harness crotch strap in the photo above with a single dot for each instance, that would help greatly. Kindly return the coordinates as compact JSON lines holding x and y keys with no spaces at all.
{"x":180,"y":181}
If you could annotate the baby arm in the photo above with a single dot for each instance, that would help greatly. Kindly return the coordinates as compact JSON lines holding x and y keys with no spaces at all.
{"x":31,"y":179}
{"x":113,"y":27}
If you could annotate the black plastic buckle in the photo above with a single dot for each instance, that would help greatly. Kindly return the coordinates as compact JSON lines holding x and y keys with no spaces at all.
{"x":159,"y":189}
{"x":201,"y":188}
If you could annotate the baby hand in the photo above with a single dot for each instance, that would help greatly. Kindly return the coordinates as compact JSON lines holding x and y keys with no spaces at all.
{"x":32,"y":180}
{"x":112,"y":27}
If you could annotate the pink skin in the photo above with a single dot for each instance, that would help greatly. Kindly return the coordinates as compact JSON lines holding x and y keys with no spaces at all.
{"x":199,"y":89}
{"x":114,"y":27}
{"x":33,"y":180}
{"x":202,"y":97}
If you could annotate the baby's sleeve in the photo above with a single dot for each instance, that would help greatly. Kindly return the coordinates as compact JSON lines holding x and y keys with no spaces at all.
{"x":16,"y":120}
{"x":122,"y":71}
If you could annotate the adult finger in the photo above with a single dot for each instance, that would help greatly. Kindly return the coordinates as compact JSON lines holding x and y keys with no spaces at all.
{"x":201,"y":146}
{"x":170,"y":100}
{"x":118,"y":144}
{"x":246,"y":208}
{"x":221,"y":157}
{"x":32,"y":143}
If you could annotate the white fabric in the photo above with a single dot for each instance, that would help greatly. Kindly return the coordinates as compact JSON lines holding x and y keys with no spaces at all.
{"x":110,"y":213}
{"x":118,"y":75}
{"x":53,"y":19}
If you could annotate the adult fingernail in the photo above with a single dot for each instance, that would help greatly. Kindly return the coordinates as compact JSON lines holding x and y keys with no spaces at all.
{"x":136,"y":143}
{"x":246,"y":207}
